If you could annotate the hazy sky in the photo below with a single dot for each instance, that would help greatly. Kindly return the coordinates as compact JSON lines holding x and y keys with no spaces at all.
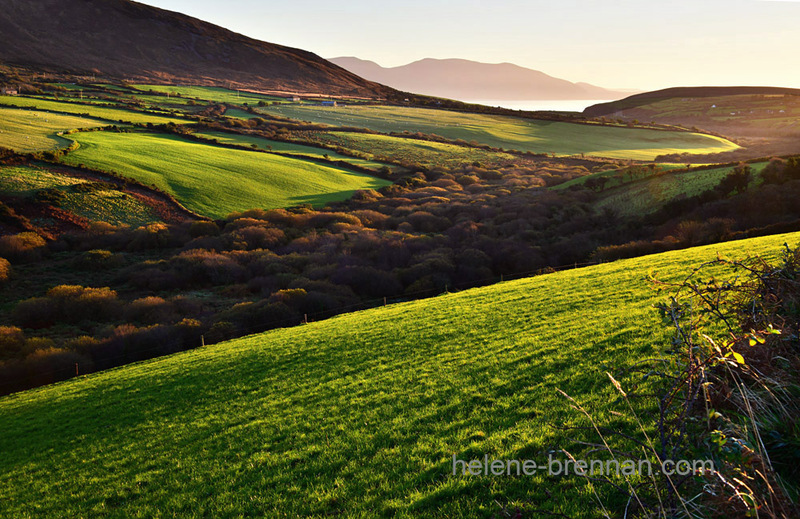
{"x":645,"y":44}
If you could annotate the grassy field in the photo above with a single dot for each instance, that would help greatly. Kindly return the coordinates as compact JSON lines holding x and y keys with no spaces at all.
{"x":426,"y":153}
{"x":510,"y":132}
{"x":219,"y":95}
{"x":778,"y":110}
{"x":31,"y":130}
{"x":286,"y":147}
{"x":356,"y":416}
{"x":647,"y":196}
{"x":104,"y":205}
{"x":100,"y":112}
{"x":216,"y":181}
{"x":610,"y":174}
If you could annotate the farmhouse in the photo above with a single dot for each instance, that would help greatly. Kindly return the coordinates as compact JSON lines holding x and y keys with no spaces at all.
{"x":329,"y":103}
{"x":293,"y":99}
{"x":8,"y":91}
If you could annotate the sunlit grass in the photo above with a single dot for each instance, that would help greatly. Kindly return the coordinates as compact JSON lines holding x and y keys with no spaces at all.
{"x":104,"y":205}
{"x":215,"y":181}
{"x":32,"y":130}
{"x":356,"y":416}
{"x":511,"y":132}
{"x":113,"y":115}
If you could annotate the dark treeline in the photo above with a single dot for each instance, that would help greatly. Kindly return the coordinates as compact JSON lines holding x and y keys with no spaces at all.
{"x":110,"y":295}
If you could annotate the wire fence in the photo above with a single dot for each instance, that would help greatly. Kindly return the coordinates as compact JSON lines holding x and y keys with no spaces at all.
{"x":263,"y":326}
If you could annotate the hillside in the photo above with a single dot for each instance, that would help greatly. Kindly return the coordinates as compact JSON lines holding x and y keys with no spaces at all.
{"x":139,"y":42}
{"x":685,"y":93}
{"x":764,"y":121}
{"x":349,"y":416}
{"x":470,"y":80}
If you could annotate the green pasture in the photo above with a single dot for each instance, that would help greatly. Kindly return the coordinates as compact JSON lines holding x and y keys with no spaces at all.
{"x":358,"y":416}
{"x":216,"y":94}
{"x":105,"y":205}
{"x":648,"y":195}
{"x":510,"y":132}
{"x":215,"y":181}
{"x":412,"y":151}
{"x":660,"y":168}
{"x":32,"y":130}
{"x":286,"y":147}
{"x":115,"y":115}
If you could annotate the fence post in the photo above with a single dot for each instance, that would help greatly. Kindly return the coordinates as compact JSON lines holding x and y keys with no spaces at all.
{"x":384,"y":301}
{"x":203,"y":341}
{"x":305,"y":318}
{"x":76,"y":370}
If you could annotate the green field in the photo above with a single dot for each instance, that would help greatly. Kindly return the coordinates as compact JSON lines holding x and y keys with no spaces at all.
{"x":414,"y":151}
{"x":104,"y":205}
{"x":511,"y":132}
{"x":757,"y":110}
{"x":286,"y":147}
{"x":216,"y":94}
{"x":356,"y":416}
{"x":215,"y":181}
{"x":100,"y":112}
{"x":648,"y":195}
{"x":31,"y":130}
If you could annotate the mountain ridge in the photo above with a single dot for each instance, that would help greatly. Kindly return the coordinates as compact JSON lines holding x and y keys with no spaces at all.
{"x":467,"y":80}
{"x":144,"y":43}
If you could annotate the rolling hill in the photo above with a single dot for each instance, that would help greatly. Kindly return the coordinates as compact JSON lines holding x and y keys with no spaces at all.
{"x":129,"y":40}
{"x":685,"y":94}
{"x":470,"y":80}
{"x":355,"y":416}
{"x":764,"y":121}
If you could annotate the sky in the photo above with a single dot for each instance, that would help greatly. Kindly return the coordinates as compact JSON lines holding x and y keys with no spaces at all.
{"x":634,"y":44}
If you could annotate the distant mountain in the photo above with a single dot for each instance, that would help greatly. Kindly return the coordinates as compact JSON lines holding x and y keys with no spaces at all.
{"x":470,"y":80}
{"x":125,"y":39}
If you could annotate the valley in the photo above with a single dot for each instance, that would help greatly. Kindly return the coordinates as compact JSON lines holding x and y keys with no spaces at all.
{"x":239,"y":280}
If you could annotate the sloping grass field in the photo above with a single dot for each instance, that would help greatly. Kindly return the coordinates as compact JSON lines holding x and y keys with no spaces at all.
{"x":511,"y":132}
{"x":355,"y":416}
{"x":287,"y":147}
{"x":96,"y":204}
{"x":216,"y":94}
{"x":216,"y":181}
{"x":114,"y":115}
{"x":648,"y":195}
{"x":27,"y":131}
{"x":427,"y":153}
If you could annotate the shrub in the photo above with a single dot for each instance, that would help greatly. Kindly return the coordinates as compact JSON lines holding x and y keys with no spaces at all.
{"x":12,"y":340}
{"x":150,"y":310}
{"x":35,"y":344}
{"x":23,"y":246}
{"x":36,"y":312}
{"x":99,"y":259}
{"x":5,"y":270}
{"x":53,"y":364}
{"x":67,"y":303}
{"x":203,"y":228}
{"x":153,"y":236}
{"x":253,"y":237}
{"x":198,"y":266}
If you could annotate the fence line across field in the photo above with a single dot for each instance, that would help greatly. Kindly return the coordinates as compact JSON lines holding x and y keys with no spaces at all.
{"x":309,"y":317}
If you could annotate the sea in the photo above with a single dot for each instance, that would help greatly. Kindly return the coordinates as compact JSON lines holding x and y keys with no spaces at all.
{"x":557,"y":105}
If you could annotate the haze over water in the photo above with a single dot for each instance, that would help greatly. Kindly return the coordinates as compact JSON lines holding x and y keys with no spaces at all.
{"x":570,"y":105}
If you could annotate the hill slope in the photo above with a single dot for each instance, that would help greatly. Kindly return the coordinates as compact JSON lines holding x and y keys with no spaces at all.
{"x":125,"y":39}
{"x":471,"y":80}
{"x":647,"y":98}
{"x":764,"y":121}
{"x":357,"y":416}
